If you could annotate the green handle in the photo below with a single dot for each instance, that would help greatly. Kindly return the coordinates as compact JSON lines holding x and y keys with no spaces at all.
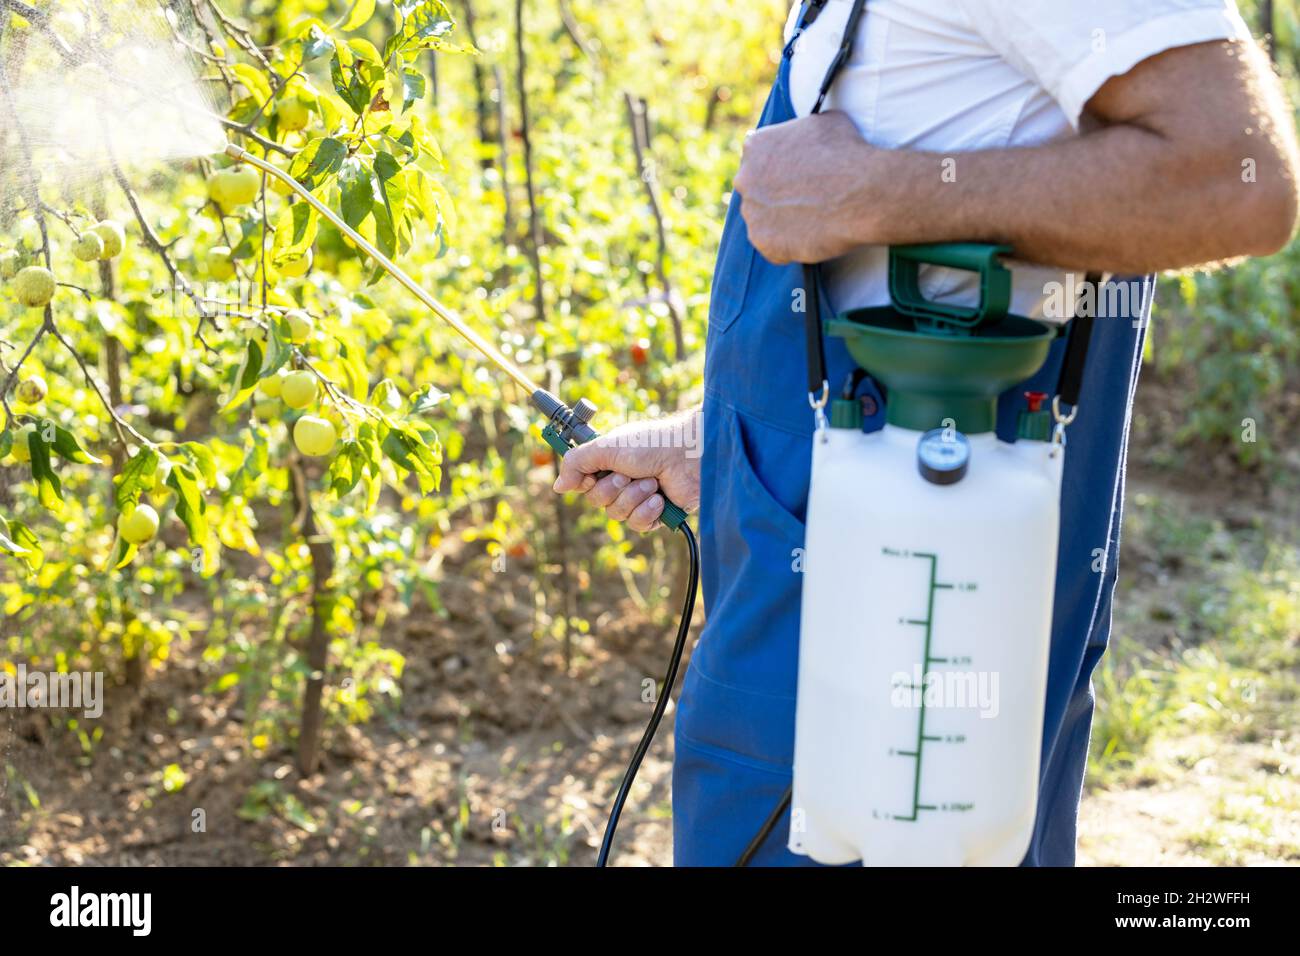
{"x":995,"y":283}
{"x":673,"y":515}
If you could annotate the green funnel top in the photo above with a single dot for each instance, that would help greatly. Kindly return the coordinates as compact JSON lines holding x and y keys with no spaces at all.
{"x":940,"y":361}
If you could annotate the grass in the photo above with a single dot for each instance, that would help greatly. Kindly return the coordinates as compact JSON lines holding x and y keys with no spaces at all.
{"x":1202,"y":679}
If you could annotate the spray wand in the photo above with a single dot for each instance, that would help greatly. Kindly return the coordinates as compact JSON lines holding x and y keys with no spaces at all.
{"x":566,"y":428}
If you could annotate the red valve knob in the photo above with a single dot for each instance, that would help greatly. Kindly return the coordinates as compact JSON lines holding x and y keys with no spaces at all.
{"x":1035,"y":400}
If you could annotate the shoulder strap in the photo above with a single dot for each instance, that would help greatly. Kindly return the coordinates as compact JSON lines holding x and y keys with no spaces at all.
{"x":1070,"y":382}
{"x":818,"y":387}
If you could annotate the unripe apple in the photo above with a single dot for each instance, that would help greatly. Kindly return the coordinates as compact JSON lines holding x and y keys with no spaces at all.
{"x":31,"y":391}
{"x":295,"y":268}
{"x":139,"y":525}
{"x":88,"y":247}
{"x":314,"y":436}
{"x":220,"y":265}
{"x":272,"y":386}
{"x":114,"y":237}
{"x":34,"y":287}
{"x":293,"y":114}
{"x":235,"y":186}
{"x":9,"y":264}
{"x":300,"y":326}
{"x":298,"y":390}
{"x":22,"y":451}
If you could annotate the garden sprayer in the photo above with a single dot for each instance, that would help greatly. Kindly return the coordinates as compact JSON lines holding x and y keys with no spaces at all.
{"x":566,"y":428}
{"x":928,"y":592}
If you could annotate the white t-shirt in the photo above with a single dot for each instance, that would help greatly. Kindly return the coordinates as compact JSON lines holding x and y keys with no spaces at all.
{"x":954,"y":75}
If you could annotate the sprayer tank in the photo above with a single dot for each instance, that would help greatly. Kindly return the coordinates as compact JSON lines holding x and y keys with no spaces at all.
{"x":926,"y":621}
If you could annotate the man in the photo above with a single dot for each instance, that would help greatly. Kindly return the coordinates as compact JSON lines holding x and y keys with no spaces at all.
{"x":1118,"y":136}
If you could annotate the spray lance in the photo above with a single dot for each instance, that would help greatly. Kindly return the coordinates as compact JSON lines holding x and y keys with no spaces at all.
{"x":566,"y":428}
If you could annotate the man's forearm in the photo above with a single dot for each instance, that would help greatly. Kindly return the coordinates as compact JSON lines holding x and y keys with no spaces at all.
{"x":1194,"y":161}
{"x":1165,"y":182}
{"x":1062,"y":203}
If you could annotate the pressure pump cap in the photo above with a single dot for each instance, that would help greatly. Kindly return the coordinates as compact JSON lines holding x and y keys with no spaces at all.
{"x":942,"y":456}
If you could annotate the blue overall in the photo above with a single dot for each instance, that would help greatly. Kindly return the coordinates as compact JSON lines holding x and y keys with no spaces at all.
{"x":735,"y":723}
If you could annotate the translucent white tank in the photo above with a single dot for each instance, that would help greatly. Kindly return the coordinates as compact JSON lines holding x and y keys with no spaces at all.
{"x":923,"y":651}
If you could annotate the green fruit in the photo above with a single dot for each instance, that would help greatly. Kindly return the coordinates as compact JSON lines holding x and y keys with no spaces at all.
{"x":139,"y":525}
{"x":272,"y":387}
{"x":296,"y":268}
{"x":31,"y":391}
{"x":22,"y":451}
{"x":314,"y":436}
{"x":114,"y":237}
{"x":298,"y":390}
{"x":9,"y":264}
{"x":300,"y":326}
{"x":293,"y":114}
{"x":34,"y":287}
{"x":235,"y":186}
{"x":220,"y":265}
{"x":88,"y":247}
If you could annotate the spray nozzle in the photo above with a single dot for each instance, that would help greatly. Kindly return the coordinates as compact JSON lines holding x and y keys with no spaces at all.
{"x":565,"y":427}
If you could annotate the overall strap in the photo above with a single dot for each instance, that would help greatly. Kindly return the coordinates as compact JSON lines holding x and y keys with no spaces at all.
{"x":1076,"y":347}
{"x":818,"y":387}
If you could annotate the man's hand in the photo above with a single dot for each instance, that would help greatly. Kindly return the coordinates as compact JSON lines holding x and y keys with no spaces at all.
{"x":642,"y":457}
{"x":793,"y":180}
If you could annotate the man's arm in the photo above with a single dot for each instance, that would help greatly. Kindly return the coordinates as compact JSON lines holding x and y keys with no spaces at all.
{"x":1194,"y":161}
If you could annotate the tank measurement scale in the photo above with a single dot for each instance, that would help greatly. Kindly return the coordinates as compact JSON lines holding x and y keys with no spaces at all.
{"x":928,"y":658}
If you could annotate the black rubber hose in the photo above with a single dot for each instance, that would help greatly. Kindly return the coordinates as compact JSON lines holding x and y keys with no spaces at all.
{"x":766,"y":829}
{"x":670,"y":677}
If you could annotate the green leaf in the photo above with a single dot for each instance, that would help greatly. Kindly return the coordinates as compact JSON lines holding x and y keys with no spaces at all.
{"x":316,"y":43}
{"x":203,"y":459}
{"x":278,"y":349}
{"x":319,"y":159}
{"x":49,"y":490}
{"x":386,"y":395}
{"x":246,"y":376}
{"x":138,"y":475}
{"x":295,"y":231}
{"x":427,"y":399}
{"x":124,"y":553}
{"x":357,"y":186}
{"x":6,"y":442}
{"x":7,"y":544}
{"x":413,"y":87}
{"x":190,"y":504}
{"x":347,"y":468}
{"x":365,"y":50}
{"x":254,"y":80}
{"x":351,"y":88}
{"x":361,"y":12}
{"x":407,"y":449}
{"x":430,"y":22}
{"x":29,"y":546}
{"x":65,"y":445}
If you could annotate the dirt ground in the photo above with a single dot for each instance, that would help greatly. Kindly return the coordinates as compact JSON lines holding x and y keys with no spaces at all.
{"x":495,"y":756}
